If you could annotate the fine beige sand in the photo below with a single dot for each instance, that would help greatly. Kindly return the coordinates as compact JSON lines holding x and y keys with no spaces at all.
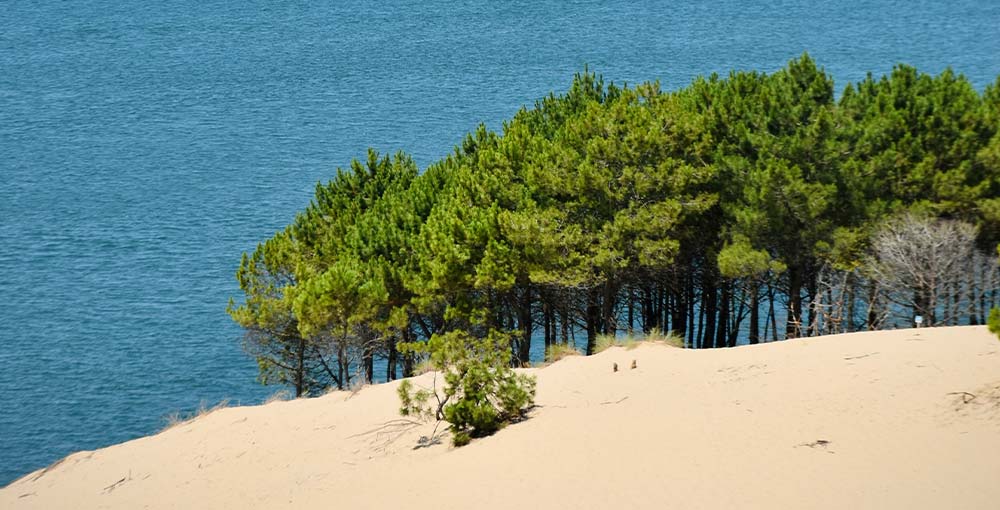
{"x":898,"y":419}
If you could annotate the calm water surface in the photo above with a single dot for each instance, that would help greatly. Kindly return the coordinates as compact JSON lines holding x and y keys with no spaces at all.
{"x":144,"y":146}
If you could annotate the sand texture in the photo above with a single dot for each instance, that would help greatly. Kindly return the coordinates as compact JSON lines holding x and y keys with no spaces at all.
{"x":897,"y":419}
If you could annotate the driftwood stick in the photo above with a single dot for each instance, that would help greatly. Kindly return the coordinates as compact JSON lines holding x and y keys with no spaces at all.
{"x":619,"y":401}
{"x":966,"y":396}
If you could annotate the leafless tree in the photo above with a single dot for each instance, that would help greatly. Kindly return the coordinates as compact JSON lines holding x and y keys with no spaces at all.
{"x":847,"y":301}
{"x":923,"y":266}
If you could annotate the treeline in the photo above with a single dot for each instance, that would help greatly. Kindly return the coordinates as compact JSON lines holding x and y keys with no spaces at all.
{"x":745,"y":207}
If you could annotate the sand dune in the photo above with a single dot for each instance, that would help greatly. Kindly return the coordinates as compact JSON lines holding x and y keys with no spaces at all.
{"x":898,"y":419}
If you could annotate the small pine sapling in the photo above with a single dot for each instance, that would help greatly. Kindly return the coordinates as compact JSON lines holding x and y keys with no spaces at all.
{"x":481,"y":392}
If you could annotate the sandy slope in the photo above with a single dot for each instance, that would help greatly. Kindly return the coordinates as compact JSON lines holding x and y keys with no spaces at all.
{"x":869,"y":420}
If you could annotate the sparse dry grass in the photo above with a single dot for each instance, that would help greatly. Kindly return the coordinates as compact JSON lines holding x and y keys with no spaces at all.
{"x":357,"y":385}
{"x":556,"y":352}
{"x":176,"y":418}
{"x":279,"y":396}
{"x":423,"y":367}
{"x":670,"y":338}
{"x":604,"y":342}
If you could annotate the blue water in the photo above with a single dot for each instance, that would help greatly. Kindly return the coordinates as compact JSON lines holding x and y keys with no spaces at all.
{"x":144,"y":146}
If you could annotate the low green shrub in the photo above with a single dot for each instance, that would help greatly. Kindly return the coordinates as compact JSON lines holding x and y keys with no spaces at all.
{"x":993,"y":322}
{"x":481,"y":393}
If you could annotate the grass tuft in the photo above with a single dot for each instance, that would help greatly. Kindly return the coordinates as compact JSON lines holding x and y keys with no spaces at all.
{"x":671,"y":338}
{"x":176,"y":418}
{"x":423,"y":367}
{"x":604,"y":342}
{"x":279,"y":396}
{"x":556,"y":352}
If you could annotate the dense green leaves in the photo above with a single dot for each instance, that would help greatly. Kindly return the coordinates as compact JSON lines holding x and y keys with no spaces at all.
{"x":610,"y":206}
{"x":480,"y":393}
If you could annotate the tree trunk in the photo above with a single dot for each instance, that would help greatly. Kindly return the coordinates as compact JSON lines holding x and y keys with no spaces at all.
{"x":593,"y":318}
{"x":848,"y":327}
{"x":608,"y":301}
{"x":793,"y":323}
{"x":300,"y":370}
{"x":547,"y":323}
{"x":811,"y":293}
{"x":678,"y":314}
{"x":754,"y":313}
{"x":721,"y":336}
{"x":407,"y":358}
{"x":368,"y":360}
{"x":770,"y":312}
{"x":524,"y":318}
{"x":341,"y":367}
{"x":565,"y":326}
{"x":631,"y":311}
{"x":871,"y":322}
{"x":689,"y":304}
{"x":709,"y":305}
{"x":390,"y":364}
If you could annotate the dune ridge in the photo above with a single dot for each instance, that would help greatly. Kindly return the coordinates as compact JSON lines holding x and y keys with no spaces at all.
{"x":891,"y":419}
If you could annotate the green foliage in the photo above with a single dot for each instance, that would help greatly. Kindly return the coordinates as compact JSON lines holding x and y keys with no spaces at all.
{"x":414,"y":402}
{"x":994,"y":321}
{"x":703,"y":200}
{"x":739,"y":260}
{"x":481,"y":392}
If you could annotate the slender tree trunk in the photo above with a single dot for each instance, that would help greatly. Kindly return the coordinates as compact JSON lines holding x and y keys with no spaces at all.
{"x":687,"y":324}
{"x":390,"y":364}
{"x":774,"y":317}
{"x":341,"y":368}
{"x":793,"y":322}
{"x":547,"y":322}
{"x":565,"y":325}
{"x":698,"y":336}
{"x":368,"y":360}
{"x":524,"y":318}
{"x":689,"y":291}
{"x":872,"y":320}
{"x":753,"y":335}
{"x":985,"y":286}
{"x":668,"y":312}
{"x":849,"y":290}
{"x":811,"y":293}
{"x":722,"y":334}
{"x":631,"y":314}
{"x":593,"y":318}
{"x":408,"y":358}
{"x":300,"y":370}
{"x":645,"y":308}
{"x":661,"y":307}
{"x":710,"y":305}
{"x":608,"y":302}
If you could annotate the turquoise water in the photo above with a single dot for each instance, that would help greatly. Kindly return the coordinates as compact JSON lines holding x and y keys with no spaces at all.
{"x":144,"y":147}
